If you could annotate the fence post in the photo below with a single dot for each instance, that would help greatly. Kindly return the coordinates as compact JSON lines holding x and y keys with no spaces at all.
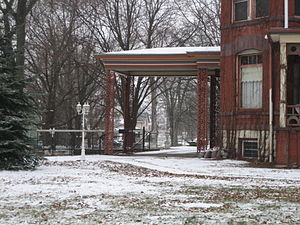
{"x":149,"y":138}
{"x":53,"y":144}
{"x":144,"y":138}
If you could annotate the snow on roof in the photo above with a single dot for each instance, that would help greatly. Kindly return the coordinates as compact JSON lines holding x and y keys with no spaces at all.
{"x":166,"y":51}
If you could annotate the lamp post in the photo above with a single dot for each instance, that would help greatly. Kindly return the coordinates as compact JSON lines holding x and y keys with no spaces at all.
{"x":83,"y":110}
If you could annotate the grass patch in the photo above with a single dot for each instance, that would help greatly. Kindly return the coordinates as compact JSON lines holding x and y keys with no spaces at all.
{"x":241,"y":194}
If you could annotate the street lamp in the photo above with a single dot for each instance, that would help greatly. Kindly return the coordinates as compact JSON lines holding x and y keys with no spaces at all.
{"x":83,"y":110}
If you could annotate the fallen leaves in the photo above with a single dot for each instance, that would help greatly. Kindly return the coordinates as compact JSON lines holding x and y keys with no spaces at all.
{"x":158,"y":197}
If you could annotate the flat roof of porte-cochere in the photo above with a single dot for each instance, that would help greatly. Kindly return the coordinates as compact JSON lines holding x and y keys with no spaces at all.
{"x":175,"y":61}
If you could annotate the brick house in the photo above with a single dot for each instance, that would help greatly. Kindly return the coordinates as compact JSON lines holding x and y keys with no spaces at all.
{"x":260,"y":79}
{"x":258,"y":66}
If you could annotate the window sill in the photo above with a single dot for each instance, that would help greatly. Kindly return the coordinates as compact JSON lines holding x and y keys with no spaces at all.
{"x":251,"y":109}
{"x":242,"y":23}
{"x":251,"y":112}
{"x":252,"y":19}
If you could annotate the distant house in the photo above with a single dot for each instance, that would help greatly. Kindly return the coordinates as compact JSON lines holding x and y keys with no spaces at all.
{"x":258,"y":67}
{"x":260,"y":79}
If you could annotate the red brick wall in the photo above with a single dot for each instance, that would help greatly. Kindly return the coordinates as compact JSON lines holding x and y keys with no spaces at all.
{"x":288,"y":147}
{"x":240,"y":36}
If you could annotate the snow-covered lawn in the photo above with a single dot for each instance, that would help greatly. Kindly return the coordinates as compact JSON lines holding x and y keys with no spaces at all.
{"x":149,"y":189}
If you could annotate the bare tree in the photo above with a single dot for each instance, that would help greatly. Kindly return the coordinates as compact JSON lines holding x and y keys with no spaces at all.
{"x":204,"y":17}
{"x":14,"y":17}
{"x":93,"y":15}
{"x":64,"y":36}
{"x":158,"y":18}
{"x":122,"y":19}
{"x":116,"y":25}
{"x":61,"y":59}
{"x":176,"y":91}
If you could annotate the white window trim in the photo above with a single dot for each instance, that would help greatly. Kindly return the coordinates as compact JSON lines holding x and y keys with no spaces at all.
{"x":250,"y":10}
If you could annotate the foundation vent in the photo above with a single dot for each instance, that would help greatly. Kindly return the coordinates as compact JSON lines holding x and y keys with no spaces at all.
{"x":250,"y":148}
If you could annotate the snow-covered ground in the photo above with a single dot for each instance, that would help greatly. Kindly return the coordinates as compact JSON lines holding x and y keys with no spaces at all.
{"x":156,"y":188}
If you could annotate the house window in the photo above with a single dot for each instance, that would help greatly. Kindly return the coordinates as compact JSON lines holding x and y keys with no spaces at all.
{"x":250,"y":148}
{"x":293,"y":80}
{"x":240,"y":10}
{"x":262,"y":8}
{"x":250,"y":9}
{"x":251,"y":81}
{"x":297,"y":7}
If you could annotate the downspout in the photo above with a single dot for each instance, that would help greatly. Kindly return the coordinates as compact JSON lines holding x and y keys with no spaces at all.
{"x":270,"y":104}
{"x":286,"y":14}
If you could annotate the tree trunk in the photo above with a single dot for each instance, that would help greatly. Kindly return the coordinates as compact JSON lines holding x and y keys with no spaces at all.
{"x":173,"y":128}
{"x":20,"y":32}
{"x":154,"y":128}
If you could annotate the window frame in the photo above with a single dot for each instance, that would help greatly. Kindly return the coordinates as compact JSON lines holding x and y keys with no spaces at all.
{"x":251,"y":10}
{"x":255,"y":9}
{"x":248,"y":53}
{"x":234,"y":8}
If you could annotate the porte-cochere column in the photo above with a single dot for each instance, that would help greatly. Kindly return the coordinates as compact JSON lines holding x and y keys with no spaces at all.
{"x":214,"y":109}
{"x":109,"y":113}
{"x":202,"y":138}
